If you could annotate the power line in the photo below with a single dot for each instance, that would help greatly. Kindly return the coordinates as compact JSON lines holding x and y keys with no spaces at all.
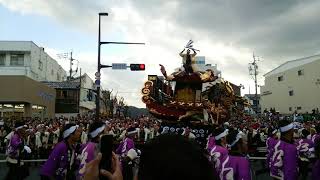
{"x":253,"y":67}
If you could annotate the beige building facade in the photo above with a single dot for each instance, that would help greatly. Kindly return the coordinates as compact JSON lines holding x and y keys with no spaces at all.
{"x":23,"y":97}
{"x":293,"y":86}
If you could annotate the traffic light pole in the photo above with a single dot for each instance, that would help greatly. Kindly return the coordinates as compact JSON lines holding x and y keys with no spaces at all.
{"x":104,"y":66}
{"x":99,"y":67}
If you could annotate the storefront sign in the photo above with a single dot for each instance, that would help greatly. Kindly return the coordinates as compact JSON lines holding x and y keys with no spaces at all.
{"x":46,"y":96}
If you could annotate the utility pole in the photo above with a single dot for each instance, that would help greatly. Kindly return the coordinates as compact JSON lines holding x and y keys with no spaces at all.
{"x":70,"y":71}
{"x":255,"y":81}
{"x":66,"y":56}
{"x":253,"y":67}
{"x":79,"y":99}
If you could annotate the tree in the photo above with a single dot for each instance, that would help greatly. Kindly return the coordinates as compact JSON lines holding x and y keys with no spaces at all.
{"x":106,"y":100}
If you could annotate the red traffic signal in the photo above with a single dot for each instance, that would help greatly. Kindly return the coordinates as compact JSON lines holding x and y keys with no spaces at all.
{"x":137,"y":67}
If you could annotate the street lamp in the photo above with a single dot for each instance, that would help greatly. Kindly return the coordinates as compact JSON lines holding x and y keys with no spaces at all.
{"x":106,"y":66}
{"x":99,"y":66}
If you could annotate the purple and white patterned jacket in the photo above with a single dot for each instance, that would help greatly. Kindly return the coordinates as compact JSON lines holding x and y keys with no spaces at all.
{"x":125,"y":146}
{"x":284,"y":161}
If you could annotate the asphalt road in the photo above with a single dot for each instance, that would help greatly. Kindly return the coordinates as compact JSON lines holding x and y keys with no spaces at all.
{"x":34,"y":171}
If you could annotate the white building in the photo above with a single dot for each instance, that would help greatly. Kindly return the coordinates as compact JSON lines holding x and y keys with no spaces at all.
{"x":87,"y":94}
{"x":27,"y":59}
{"x":202,"y":66}
{"x":293,"y":86}
{"x":251,"y":98}
{"x":79,"y":93}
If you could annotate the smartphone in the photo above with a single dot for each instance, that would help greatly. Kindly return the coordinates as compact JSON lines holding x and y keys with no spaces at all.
{"x":106,"y":147}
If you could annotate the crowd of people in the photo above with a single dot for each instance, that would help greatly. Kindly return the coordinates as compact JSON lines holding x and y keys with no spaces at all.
{"x":43,"y":135}
{"x":143,"y":150}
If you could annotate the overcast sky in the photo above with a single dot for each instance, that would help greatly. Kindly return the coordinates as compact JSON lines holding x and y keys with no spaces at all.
{"x":226,"y":32}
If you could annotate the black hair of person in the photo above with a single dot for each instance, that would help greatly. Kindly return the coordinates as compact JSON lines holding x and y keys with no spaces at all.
{"x":216,"y":132}
{"x":92,"y":127}
{"x":270,"y":131}
{"x":305,"y":133}
{"x":212,"y":129}
{"x":173,"y":157}
{"x":283,"y":123}
{"x":231,"y":138}
{"x":65,"y":127}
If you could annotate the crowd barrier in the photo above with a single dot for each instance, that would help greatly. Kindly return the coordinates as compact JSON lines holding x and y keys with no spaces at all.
{"x":30,"y":160}
{"x":43,"y":160}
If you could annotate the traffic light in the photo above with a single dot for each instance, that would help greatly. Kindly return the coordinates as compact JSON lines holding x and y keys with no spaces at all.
{"x":137,"y":67}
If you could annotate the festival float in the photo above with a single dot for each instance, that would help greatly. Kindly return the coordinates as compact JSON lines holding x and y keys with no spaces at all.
{"x":191,"y":96}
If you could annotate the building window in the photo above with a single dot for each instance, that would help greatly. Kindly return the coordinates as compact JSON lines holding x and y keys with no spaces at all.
{"x":65,"y":94}
{"x":299,"y":108}
{"x":52,"y":72}
{"x":290,"y":108}
{"x":16,"y":60}
{"x":2,"y":59}
{"x":291,"y":93}
{"x":300,"y":73}
{"x":58,"y":77}
{"x":280,"y":78}
{"x":40,"y":65}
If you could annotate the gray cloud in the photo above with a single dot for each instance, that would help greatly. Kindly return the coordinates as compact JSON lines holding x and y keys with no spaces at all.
{"x":277,"y":31}
{"x":274,"y":29}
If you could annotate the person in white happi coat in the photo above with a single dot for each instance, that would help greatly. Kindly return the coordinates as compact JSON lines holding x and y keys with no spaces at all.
{"x":45,"y":138}
{"x":38,"y":141}
{"x":84,"y":136}
{"x":55,"y":137}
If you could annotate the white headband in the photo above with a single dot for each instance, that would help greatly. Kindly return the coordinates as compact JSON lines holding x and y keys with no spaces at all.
{"x":132,"y":132}
{"x":286,"y":128}
{"x":97,"y":131}
{"x":274,"y":131}
{"x":225,"y":132}
{"x":20,"y":127}
{"x":69,"y":131}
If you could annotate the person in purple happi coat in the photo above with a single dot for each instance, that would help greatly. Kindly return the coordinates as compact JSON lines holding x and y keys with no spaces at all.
{"x":60,"y":164}
{"x":271,"y":142}
{"x":317,"y":135}
{"x":304,"y":147}
{"x":284,"y":157}
{"x":15,"y":153}
{"x":219,"y":152}
{"x":237,"y":165}
{"x":316,"y":165}
{"x":210,"y":143}
{"x":128,"y":142}
{"x":90,"y":150}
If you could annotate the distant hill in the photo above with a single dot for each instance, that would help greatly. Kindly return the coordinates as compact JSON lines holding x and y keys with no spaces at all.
{"x":135,"y":112}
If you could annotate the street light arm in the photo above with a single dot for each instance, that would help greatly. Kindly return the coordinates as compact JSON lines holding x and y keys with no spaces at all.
{"x":114,"y":42}
{"x":104,"y":66}
{"x":103,"y":14}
